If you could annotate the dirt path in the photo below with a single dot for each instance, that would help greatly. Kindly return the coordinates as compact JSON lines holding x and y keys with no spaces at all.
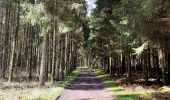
{"x":86,"y":87}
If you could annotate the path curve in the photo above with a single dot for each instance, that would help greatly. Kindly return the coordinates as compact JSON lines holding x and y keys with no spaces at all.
{"x":87,"y":86}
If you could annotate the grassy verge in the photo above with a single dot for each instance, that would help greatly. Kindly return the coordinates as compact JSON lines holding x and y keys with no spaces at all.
{"x":30,"y":91}
{"x":120,"y":92}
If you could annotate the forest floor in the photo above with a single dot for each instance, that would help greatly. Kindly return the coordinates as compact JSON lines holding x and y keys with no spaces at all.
{"x":84,"y":84}
{"x":31,"y":90}
{"x":87,"y":86}
{"x":127,"y":91}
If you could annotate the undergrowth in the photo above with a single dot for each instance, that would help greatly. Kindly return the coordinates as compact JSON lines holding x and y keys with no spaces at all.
{"x":31,"y":91}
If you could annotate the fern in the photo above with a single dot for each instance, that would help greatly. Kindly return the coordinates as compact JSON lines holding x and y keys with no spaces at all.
{"x":138,"y":51}
{"x":63,"y":28}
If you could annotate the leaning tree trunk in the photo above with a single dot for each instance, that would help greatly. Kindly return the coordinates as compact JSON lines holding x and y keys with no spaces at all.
{"x":14,"y":42}
{"x":11,"y":62}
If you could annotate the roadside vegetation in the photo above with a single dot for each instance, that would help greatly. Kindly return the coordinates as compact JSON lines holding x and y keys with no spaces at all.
{"x":125,"y":91}
{"x":31,"y":90}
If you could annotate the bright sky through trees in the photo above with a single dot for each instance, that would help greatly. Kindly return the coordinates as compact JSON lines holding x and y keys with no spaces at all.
{"x":91,"y":5}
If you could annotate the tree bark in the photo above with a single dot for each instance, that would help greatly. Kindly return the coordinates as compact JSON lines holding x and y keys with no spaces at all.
{"x":6,"y":40}
{"x":129,"y":66}
{"x":161,"y":53}
{"x":43,"y":60}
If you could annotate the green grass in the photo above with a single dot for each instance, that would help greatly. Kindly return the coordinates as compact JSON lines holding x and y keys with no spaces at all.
{"x":118,"y":91}
{"x":31,"y":91}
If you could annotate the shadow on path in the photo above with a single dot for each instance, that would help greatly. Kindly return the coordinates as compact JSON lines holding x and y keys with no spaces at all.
{"x":87,"y":86}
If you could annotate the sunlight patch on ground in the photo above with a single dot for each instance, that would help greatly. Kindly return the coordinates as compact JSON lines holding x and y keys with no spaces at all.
{"x":30,"y":91}
{"x":164,"y":89}
{"x":120,"y":92}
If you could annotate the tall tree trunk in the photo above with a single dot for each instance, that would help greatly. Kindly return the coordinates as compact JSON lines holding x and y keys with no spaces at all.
{"x":149,"y":60}
{"x":53,"y":55}
{"x":129,"y":66}
{"x":11,"y":62}
{"x":169,"y":68}
{"x":62,"y":56}
{"x":161,"y":53}
{"x":145,"y":65}
{"x":30,"y":60}
{"x":123,"y":64}
{"x":14,"y":43}
{"x":43,"y":60}
{"x":5,"y":46}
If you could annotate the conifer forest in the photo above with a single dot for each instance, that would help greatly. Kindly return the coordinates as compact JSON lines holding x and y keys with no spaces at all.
{"x":84,"y":49}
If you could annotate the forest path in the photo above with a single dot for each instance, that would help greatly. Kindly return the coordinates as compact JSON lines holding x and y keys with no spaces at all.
{"x":87,"y":86}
